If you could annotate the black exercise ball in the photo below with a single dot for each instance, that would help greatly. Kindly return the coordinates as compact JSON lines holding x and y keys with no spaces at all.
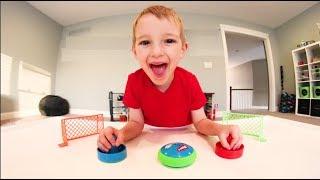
{"x":52,"y":105}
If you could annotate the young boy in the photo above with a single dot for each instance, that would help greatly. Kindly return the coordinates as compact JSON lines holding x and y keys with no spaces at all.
{"x":160,"y":93}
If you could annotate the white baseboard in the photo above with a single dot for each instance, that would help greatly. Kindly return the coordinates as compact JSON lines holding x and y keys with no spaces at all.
{"x":89,"y":112}
{"x":19,"y":114}
{"x":22,"y":114}
{"x":107,"y":113}
{"x":259,"y":107}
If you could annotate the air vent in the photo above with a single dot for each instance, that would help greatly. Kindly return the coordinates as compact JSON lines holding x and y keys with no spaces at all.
{"x":79,"y":31}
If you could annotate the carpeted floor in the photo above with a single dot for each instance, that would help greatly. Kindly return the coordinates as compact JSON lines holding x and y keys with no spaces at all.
{"x":289,"y":116}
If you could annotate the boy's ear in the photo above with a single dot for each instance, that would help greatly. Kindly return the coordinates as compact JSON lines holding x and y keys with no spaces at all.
{"x":133,"y":50}
{"x":184,"y":49}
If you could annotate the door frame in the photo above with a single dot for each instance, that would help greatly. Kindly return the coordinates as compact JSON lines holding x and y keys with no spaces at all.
{"x":271,"y":75}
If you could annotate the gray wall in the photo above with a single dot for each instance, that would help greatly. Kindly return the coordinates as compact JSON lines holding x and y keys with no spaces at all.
{"x":302,"y":27}
{"x":85,"y":78}
{"x":30,"y":36}
{"x":260,"y":82}
{"x":251,"y":75}
{"x":241,"y":76}
{"x":95,"y":58}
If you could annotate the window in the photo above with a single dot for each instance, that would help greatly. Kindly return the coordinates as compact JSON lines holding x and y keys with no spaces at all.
{"x":6,"y":67}
{"x":34,"y":83}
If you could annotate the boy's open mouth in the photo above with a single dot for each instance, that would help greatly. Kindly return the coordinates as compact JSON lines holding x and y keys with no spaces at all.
{"x":158,"y":69}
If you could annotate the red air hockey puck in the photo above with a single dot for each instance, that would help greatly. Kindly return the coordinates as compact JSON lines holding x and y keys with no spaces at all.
{"x":228,"y":154}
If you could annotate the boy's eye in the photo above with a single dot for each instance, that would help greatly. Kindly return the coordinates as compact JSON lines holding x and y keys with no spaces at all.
{"x":169,"y":41}
{"x":144,"y":43}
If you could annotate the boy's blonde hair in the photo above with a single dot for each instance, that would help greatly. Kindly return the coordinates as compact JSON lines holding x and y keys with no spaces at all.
{"x":160,"y":12}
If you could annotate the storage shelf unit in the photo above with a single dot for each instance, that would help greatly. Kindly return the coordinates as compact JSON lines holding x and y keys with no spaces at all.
{"x":306,"y":62}
{"x":118,"y":111}
{"x":208,"y":108}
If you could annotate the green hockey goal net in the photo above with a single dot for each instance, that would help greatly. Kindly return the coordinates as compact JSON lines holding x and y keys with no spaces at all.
{"x":250,"y":124}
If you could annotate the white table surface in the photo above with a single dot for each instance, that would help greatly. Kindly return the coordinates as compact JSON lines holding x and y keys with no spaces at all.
{"x":30,"y":150}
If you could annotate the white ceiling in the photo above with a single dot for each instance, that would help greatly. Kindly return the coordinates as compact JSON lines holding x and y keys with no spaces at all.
{"x":243,"y":48}
{"x":268,"y":13}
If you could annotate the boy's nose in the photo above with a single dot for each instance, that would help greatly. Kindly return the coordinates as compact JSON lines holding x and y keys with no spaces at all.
{"x":157,"y":50}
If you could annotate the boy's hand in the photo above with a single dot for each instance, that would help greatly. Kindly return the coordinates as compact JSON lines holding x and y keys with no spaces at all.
{"x":234,"y":132}
{"x":106,"y":138}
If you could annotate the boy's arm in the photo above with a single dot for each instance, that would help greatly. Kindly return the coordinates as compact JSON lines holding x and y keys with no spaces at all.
{"x":134,"y":126}
{"x":203,"y":124}
{"x":211,"y":128}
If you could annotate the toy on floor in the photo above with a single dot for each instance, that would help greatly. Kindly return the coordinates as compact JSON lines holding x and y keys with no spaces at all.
{"x":287,"y":101}
{"x":249,"y":124}
{"x":177,"y":155}
{"x":81,"y":126}
{"x":228,"y":154}
{"x":114,"y":155}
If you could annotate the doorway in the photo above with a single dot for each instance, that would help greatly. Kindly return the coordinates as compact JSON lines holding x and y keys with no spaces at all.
{"x":252,"y":93}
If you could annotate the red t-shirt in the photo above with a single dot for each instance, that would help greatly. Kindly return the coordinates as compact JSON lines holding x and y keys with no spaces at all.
{"x":171,"y":108}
